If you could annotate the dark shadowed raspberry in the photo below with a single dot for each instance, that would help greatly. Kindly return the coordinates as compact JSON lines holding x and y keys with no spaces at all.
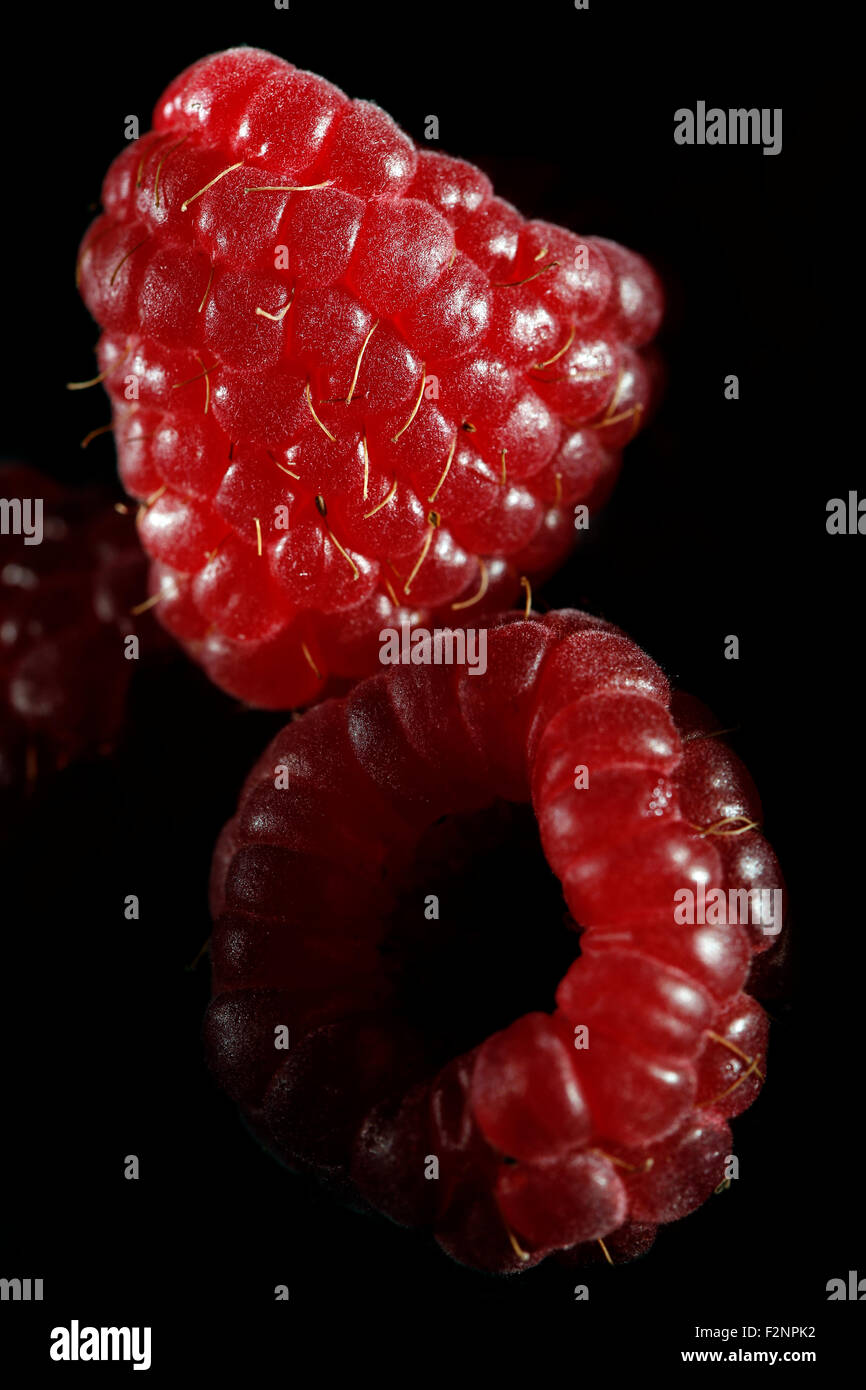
{"x":350,"y":386}
{"x":64,"y":611}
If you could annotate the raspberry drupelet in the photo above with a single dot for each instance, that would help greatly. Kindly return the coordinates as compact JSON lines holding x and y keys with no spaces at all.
{"x":350,"y":385}
{"x":604,"y":1116}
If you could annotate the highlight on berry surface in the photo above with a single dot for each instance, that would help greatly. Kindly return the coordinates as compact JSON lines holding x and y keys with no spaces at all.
{"x":306,"y":302}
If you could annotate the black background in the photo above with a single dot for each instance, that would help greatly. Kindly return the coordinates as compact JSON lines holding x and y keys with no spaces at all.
{"x":717,"y":527}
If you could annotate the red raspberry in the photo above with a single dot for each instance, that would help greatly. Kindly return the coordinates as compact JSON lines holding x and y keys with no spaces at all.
{"x":350,"y":386}
{"x":64,"y":609}
{"x":607,"y":1115}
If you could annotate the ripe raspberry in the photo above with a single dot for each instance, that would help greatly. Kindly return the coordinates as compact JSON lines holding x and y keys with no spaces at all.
{"x":350,"y":385}
{"x":541,"y":1142}
{"x":64,"y":609}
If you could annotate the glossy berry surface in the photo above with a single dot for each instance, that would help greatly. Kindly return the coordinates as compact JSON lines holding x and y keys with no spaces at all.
{"x":351,"y":387}
{"x":595,"y":1120}
{"x":64,"y":611}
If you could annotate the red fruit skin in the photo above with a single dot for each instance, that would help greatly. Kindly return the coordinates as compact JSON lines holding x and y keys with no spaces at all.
{"x":474,"y":1233}
{"x":675,"y":1011}
{"x":595,"y":1122}
{"x":634,"y":1097}
{"x":561,"y":1202}
{"x":732,"y":1065}
{"x":65,"y":606}
{"x":628,"y":1242}
{"x":282,"y":278}
{"x":465,"y":1157}
{"x":390,"y":1159}
{"x":673,"y":1178}
{"x":525,"y":1092}
{"x":319,"y":1094}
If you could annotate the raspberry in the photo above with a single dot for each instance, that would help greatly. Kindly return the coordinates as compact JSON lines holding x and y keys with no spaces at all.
{"x":605,"y":1116}
{"x":64,"y":609}
{"x":350,"y":386}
